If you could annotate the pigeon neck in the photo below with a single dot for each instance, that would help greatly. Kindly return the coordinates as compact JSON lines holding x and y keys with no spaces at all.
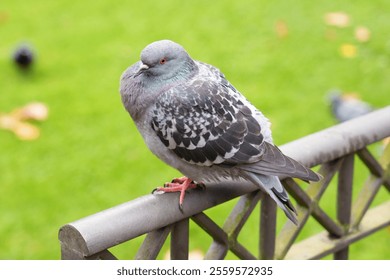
{"x":186,"y":70}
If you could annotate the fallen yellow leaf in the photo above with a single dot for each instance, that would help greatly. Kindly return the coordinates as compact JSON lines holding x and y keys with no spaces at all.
{"x":281,"y":29}
{"x":338,"y":19}
{"x":348,"y":50}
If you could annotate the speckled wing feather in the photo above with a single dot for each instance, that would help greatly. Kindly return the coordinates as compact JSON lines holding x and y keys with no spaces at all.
{"x":207,"y":122}
{"x":204,"y":124}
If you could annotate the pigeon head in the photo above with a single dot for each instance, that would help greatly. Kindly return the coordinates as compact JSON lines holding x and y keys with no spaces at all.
{"x":163,"y":63}
{"x":164,"y":60}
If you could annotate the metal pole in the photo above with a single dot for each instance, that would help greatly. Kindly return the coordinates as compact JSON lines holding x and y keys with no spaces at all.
{"x":344,"y":199}
{"x":179,"y":240}
{"x":267,"y":228}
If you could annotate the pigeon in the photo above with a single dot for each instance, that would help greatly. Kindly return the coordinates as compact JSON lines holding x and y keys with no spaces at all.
{"x":192,"y":118}
{"x":23,"y":57}
{"x":345,"y":107}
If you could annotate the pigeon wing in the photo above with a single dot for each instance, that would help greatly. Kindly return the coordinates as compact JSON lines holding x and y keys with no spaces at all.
{"x":204,"y":124}
{"x":208,"y":122}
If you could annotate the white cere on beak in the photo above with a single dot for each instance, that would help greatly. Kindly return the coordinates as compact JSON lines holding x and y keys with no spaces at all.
{"x":141,"y":69}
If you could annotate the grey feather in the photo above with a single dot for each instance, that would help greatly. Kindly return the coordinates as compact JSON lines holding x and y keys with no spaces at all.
{"x":193,"y":119}
{"x":272,"y":186}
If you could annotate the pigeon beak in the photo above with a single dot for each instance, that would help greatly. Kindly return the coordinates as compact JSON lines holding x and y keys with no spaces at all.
{"x":141,"y":69}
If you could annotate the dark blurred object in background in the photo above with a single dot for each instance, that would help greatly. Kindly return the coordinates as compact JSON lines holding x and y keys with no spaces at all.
{"x":24,"y":57}
{"x":347,"y":106}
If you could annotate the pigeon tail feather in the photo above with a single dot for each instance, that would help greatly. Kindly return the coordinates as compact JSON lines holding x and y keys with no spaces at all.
{"x":272,"y":186}
{"x":274,"y":162}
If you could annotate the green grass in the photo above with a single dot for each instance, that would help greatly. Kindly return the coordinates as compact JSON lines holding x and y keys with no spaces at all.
{"x":90,"y":157}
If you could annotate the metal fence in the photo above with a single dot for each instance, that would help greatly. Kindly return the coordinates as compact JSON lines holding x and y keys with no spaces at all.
{"x":334,"y":150}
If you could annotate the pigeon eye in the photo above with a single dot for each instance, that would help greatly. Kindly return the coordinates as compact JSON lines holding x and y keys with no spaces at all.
{"x":163,"y":60}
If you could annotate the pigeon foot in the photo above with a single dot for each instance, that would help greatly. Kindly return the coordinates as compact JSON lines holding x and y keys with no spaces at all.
{"x":181,"y":185}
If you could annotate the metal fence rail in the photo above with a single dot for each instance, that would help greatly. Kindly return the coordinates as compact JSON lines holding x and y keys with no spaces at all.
{"x":335,"y":149}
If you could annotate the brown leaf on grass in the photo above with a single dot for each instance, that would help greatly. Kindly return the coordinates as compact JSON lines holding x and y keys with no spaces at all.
{"x":195,"y":254}
{"x":22,"y":130}
{"x":348,"y":50}
{"x":281,"y":29}
{"x":338,"y":19}
{"x":7,"y":122}
{"x":3,"y":17}
{"x":362,"y":34}
{"x":350,"y":96}
{"x":26,"y":131}
{"x":16,"y":120}
{"x":330,"y":34}
{"x":33,"y":111}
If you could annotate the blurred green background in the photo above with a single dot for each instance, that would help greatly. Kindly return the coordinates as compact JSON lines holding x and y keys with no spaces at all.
{"x":283,"y":56}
